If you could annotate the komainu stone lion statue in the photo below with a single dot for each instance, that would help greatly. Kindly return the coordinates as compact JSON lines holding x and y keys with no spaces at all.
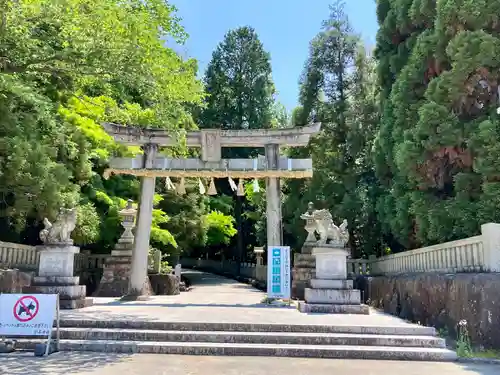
{"x":59,"y":232}
{"x":328,"y":232}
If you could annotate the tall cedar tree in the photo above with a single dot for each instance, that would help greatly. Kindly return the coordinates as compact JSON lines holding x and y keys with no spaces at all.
{"x":337,"y":89}
{"x":240,"y":95}
{"x":437,"y":149}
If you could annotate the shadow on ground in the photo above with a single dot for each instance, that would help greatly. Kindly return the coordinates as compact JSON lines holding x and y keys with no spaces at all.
{"x":58,"y":363}
{"x":236,"y":305}
{"x":480,"y":368}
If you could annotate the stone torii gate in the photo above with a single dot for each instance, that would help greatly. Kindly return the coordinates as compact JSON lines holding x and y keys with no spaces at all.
{"x":150,"y":165}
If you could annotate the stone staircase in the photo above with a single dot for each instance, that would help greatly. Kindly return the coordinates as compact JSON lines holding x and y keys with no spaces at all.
{"x":405,"y":342}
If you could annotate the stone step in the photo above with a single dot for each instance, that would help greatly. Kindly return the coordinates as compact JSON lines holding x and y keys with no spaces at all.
{"x":304,"y":260}
{"x":322,"y":308}
{"x":398,"y":329}
{"x":304,"y":257}
{"x":252,"y":337}
{"x":304,"y":264}
{"x":331,"y":284}
{"x":333,"y":296}
{"x":268,"y":350}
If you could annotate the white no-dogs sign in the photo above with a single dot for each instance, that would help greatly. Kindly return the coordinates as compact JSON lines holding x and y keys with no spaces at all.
{"x":27,"y":314}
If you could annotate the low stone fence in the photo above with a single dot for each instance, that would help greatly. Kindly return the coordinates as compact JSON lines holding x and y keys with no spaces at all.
{"x":358,"y":267}
{"x":84,"y":262}
{"x":474,"y":254}
{"x":13,"y":255}
{"x":256,"y":272}
{"x":229,"y":267}
{"x":25,"y":257}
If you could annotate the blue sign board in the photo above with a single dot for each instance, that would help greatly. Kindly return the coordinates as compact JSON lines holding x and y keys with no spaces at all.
{"x":278,"y":272}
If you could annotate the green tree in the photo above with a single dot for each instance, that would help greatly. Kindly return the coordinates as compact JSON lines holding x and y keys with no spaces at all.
{"x":239,"y":86}
{"x":435,"y":151}
{"x":59,"y":42}
{"x":338,"y":89}
{"x":240,"y":95}
{"x":220,"y":228}
{"x":66,"y":66}
{"x":280,"y":116}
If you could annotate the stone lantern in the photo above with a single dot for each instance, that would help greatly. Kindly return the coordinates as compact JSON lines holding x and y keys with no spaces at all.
{"x":310,"y":226}
{"x":116,"y":270}
{"x":260,"y":270}
{"x":258,"y":254}
{"x":128,"y":215}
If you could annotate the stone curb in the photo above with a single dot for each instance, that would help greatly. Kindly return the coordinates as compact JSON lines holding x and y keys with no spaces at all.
{"x":266,"y":350}
{"x":486,"y":361}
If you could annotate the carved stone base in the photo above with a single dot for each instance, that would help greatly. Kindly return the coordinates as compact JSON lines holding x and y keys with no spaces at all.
{"x":330,"y":291}
{"x":115,"y":277}
{"x":70,"y":296}
{"x":73,"y":304}
{"x":55,"y":276}
{"x":57,"y":260}
{"x":140,"y":295}
{"x":56,"y":280}
{"x":307,"y":247}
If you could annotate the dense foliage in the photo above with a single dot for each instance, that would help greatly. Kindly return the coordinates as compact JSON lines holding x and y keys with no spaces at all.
{"x":337,"y":89}
{"x":436,"y":151}
{"x":240,"y":95}
{"x":66,"y":67}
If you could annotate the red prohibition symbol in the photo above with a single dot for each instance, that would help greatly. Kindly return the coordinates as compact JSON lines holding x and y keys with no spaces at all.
{"x":26,"y":308}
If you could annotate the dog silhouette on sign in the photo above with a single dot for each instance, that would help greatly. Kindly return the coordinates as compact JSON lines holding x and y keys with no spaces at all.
{"x":26,"y":310}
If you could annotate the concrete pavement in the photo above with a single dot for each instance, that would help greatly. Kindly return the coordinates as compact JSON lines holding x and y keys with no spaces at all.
{"x":217,"y":299}
{"x":153,"y":364}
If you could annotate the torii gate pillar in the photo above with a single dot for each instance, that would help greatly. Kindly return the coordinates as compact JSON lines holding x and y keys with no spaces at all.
{"x":139,"y":285}
{"x":273,"y":200}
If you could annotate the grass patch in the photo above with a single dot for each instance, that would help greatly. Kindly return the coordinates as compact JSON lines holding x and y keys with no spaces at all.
{"x":464,"y":348}
{"x":275,"y":301}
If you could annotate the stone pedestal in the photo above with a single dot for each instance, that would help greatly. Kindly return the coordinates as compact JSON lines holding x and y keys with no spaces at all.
{"x":303,"y":270}
{"x":116,"y":272}
{"x":55,"y":276}
{"x":330,"y":291}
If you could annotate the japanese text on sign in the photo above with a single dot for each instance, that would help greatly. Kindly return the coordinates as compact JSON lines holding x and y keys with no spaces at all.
{"x":27,"y":314}
{"x":278,"y":272}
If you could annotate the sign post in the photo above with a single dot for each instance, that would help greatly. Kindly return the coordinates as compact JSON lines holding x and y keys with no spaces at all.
{"x":30,"y":315}
{"x":278,"y":272}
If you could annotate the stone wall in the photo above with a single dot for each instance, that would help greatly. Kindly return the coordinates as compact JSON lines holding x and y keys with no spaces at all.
{"x":441,"y":301}
{"x":13,"y":281}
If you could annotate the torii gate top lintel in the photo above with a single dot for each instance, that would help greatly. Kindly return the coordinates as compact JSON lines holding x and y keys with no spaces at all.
{"x":291,"y":137}
{"x":211,"y":142}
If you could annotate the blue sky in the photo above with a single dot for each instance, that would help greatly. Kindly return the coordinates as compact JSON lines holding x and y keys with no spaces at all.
{"x":285,"y":27}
